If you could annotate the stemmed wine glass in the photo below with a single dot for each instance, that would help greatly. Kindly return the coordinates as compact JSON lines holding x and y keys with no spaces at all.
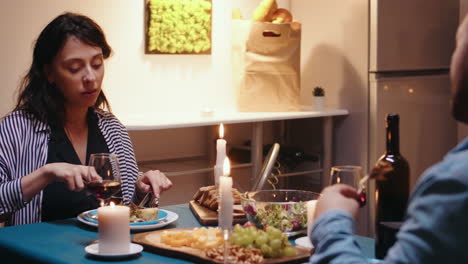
{"x":350,"y":175}
{"x":106,"y":189}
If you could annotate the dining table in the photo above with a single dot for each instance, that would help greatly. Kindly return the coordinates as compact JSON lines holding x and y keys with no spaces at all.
{"x":64,"y":241}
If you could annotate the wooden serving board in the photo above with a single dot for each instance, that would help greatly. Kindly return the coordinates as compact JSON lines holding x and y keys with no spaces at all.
{"x":208,"y":217}
{"x":151,"y":241}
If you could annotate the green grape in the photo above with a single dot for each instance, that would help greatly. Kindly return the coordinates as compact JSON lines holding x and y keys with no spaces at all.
{"x":261,"y":239}
{"x":245,"y":240}
{"x":272,"y":242}
{"x":289,"y":251}
{"x":252,"y":231}
{"x":251,"y":228}
{"x":234,"y":238}
{"x":269,"y":229}
{"x":275,"y":244}
{"x":276,"y":253}
{"x":250,"y":246}
{"x":237,"y":241}
{"x":238,"y":228}
{"x":276,"y":233}
{"x":266,"y":250}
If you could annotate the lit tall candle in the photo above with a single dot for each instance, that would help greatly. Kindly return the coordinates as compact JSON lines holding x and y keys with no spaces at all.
{"x":114,"y":229}
{"x":226,"y":204}
{"x":220,"y":155}
{"x":310,"y":215}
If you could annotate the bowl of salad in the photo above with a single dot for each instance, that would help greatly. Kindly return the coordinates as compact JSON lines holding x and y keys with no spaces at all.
{"x":282,"y":209}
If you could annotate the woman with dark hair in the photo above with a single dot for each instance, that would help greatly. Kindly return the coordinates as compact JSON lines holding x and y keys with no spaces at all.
{"x":59,"y":120}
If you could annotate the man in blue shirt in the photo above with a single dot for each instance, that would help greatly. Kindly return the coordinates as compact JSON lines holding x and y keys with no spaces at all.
{"x":436,"y":225}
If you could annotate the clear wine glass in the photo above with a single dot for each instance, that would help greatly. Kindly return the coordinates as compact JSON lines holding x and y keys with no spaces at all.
{"x":350,"y":175}
{"x":106,"y":165}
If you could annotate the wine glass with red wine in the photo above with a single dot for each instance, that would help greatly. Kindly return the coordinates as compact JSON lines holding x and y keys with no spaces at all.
{"x":350,"y":175}
{"x":106,"y":166}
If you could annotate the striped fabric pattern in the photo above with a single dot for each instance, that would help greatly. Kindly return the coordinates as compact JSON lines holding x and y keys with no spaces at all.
{"x":23,"y":149}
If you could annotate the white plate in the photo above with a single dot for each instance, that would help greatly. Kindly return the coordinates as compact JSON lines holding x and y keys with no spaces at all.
{"x":91,"y":216}
{"x":93,"y":249}
{"x":171,"y":217}
{"x":304,"y":242}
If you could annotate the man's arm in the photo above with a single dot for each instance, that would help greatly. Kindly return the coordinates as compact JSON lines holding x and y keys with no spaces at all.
{"x":434,"y":232}
{"x":332,"y":237}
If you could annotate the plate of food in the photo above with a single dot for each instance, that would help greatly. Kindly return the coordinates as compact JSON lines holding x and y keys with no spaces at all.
{"x":139,"y":219}
{"x":206,"y":245}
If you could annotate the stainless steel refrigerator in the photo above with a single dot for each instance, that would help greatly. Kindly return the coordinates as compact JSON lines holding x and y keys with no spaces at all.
{"x":410,"y":49}
{"x":411,"y":42}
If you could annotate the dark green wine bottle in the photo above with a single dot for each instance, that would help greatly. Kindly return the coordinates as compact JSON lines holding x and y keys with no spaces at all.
{"x":392,"y":190}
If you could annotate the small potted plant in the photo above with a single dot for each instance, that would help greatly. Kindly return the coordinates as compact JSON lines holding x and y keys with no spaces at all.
{"x":319,"y":98}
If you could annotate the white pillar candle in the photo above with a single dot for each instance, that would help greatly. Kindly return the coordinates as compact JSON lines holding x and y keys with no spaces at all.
{"x":310,"y":215}
{"x":114,"y":229}
{"x":220,"y":155}
{"x":226,"y":204}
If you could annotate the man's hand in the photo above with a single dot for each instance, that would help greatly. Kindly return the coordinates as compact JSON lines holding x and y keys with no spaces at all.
{"x":339,"y":196}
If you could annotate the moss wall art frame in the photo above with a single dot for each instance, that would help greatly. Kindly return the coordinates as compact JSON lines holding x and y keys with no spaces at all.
{"x":178,"y":26}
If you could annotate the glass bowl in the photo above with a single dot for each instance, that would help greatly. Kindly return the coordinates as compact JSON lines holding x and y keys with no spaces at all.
{"x":283,"y":209}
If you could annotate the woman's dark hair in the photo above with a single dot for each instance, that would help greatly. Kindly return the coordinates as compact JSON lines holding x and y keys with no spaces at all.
{"x":41,"y":98}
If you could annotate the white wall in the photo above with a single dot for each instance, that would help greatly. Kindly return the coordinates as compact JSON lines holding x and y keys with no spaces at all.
{"x":134,"y":81}
{"x":335,"y":55}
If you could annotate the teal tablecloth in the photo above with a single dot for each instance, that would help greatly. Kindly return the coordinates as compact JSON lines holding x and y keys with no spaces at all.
{"x":64,"y":242}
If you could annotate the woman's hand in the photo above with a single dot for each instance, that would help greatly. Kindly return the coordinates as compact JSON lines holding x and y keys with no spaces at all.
{"x":338,"y":196}
{"x":75,"y":176}
{"x":153,"y":180}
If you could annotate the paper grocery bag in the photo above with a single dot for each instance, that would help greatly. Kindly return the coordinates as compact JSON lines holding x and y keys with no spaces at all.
{"x":266,"y":66}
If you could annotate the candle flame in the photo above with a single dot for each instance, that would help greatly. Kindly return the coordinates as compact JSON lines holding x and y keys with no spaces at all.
{"x":112,"y":204}
{"x":221,"y":131}
{"x":226,"y":167}
{"x":338,"y":180}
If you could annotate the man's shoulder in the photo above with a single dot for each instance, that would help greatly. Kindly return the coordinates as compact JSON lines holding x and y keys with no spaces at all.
{"x":453,"y":168}
{"x":455,"y":161}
